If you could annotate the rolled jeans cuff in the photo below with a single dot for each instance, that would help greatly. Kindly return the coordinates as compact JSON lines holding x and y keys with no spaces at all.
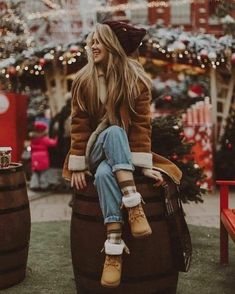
{"x":123,"y":166}
{"x":113,"y":219}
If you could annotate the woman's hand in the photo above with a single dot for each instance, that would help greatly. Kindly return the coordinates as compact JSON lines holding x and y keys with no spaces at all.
{"x":79,"y":179}
{"x":154,"y":174}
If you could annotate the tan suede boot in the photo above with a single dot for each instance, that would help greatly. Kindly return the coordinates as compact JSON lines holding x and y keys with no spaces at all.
{"x":138,"y":222}
{"x":112,"y":271}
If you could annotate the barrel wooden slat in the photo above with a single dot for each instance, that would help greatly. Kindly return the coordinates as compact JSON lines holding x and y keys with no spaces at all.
{"x":14,"y":226}
{"x":148,"y":269}
{"x":166,"y":285}
{"x":12,"y":200}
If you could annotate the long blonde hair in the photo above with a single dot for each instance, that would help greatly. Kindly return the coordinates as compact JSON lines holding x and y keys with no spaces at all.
{"x":122,"y":75}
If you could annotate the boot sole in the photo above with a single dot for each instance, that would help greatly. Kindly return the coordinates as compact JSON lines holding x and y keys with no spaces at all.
{"x":143,"y":235}
{"x":110,"y":285}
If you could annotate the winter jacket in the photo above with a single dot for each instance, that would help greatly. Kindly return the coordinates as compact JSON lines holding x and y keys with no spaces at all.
{"x":39,"y":151}
{"x":85,"y":129}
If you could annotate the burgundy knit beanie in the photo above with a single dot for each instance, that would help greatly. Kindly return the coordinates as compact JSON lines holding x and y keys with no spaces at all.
{"x":129,"y":37}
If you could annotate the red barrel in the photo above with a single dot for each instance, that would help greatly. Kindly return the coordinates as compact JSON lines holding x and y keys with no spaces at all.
{"x":14,"y":225}
{"x":150,"y":266}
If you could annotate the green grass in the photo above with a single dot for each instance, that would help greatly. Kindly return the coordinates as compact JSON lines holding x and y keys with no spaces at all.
{"x":206,"y":276}
{"x":50,"y":270}
{"x":49,"y":265}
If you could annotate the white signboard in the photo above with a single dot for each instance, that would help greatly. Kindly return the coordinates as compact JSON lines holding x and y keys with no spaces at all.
{"x":4,"y":103}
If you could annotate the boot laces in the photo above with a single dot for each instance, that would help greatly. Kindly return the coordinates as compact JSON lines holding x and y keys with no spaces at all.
{"x":113,"y":261}
{"x":136,"y":213}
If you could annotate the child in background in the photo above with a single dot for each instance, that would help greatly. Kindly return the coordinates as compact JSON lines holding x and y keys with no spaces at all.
{"x":40,"y":142}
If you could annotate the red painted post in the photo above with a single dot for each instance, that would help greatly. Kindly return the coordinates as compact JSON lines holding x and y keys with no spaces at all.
{"x":223,"y":231}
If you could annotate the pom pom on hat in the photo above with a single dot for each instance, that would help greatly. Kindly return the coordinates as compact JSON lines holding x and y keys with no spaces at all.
{"x":195,"y":91}
{"x":129,"y":37}
{"x":40,"y":126}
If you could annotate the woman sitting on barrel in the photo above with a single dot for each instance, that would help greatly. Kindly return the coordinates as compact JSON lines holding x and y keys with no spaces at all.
{"x":111,"y":135}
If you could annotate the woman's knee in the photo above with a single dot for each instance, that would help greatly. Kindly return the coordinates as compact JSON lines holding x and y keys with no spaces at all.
{"x":115,"y":130}
{"x":103,"y":172}
{"x":114,"y":135}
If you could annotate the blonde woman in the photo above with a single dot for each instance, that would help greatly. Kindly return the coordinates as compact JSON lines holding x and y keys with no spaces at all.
{"x":111,"y":135}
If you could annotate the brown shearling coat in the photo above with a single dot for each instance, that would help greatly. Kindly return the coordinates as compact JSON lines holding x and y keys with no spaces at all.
{"x":84,"y":130}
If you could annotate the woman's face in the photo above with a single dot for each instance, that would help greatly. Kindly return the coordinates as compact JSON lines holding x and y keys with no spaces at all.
{"x":100,"y":53}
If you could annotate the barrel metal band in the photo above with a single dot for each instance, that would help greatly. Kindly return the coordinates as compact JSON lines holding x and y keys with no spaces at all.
{"x":94,"y":218}
{"x":12,"y":187}
{"x":14,"y":168}
{"x":82,"y":197}
{"x":89,"y":218}
{"x":96,"y":277}
{"x":13,"y":269}
{"x":9,"y":251}
{"x":14,"y":209}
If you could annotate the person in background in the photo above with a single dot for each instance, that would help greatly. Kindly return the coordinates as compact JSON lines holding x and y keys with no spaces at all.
{"x":40,"y":142}
{"x":60,"y":126}
{"x":65,"y":126}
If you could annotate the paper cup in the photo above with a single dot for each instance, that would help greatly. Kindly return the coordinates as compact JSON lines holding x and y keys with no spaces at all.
{"x":5,"y":157}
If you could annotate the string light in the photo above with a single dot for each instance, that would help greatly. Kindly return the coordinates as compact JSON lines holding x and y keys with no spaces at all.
{"x":37,"y":15}
{"x":29,"y":37}
{"x":191,"y":58}
{"x":176,"y":53}
{"x":51,"y":4}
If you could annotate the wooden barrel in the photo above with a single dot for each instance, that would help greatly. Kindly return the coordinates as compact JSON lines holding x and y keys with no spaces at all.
{"x":148,"y":269}
{"x":14,"y":226}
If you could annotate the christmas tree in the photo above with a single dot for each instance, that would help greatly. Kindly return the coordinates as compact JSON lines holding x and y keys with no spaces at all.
{"x":224,"y":8}
{"x":14,"y":33}
{"x":179,"y":94}
{"x":38,"y":103}
{"x":15,"y":39}
{"x":168,"y":140}
{"x":225,"y":157}
{"x":223,"y":11}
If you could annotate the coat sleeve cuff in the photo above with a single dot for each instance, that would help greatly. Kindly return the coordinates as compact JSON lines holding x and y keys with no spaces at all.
{"x":77,"y":163}
{"x":142,"y":159}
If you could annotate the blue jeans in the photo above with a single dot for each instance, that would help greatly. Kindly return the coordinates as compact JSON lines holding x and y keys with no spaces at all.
{"x":110,"y":153}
